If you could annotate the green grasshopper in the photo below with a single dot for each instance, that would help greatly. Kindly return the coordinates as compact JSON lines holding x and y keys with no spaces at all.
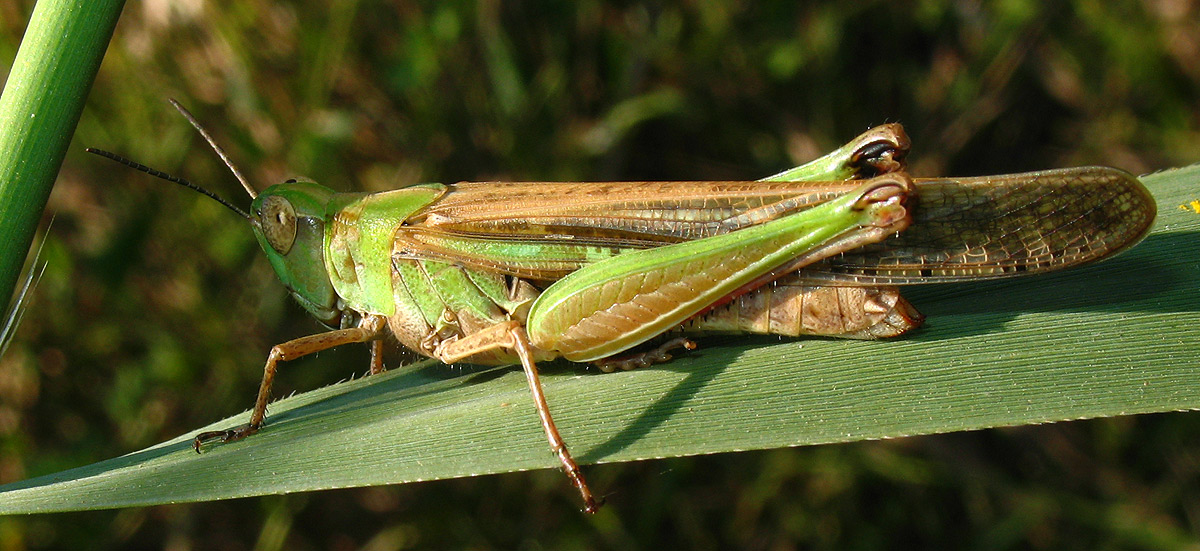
{"x":501,"y":273}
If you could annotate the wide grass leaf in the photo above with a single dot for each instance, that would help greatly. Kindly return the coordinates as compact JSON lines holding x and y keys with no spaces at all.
{"x":1115,"y":338}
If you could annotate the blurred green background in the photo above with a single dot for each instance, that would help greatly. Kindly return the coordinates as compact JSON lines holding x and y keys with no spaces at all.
{"x":157,"y":308}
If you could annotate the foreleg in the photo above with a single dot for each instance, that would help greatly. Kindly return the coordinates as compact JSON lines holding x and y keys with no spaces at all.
{"x":369,"y":329}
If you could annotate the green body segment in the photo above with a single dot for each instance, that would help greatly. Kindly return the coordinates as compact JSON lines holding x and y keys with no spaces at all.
{"x":359,"y":242}
{"x":423,"y":297}
{"x":618,"y":303}
{"x":531,"y":258}
{"x":493,"y":286}
{"x":464,"y":299}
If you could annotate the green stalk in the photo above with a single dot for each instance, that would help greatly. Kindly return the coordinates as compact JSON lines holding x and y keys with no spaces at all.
{"x":39,"y":108}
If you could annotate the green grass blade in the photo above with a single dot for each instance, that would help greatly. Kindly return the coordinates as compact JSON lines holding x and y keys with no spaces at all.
{"x":1116,"y":338}
{"x":40,"y":106}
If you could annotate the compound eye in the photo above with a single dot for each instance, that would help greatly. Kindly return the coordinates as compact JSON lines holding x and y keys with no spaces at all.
{"x":279,"y":223}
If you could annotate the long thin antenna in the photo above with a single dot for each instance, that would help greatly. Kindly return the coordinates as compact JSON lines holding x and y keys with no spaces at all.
{"x":212,"y":143}
{"x":160,"y":174}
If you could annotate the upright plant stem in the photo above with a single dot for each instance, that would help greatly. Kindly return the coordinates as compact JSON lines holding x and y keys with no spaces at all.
{"x":39,"y":108}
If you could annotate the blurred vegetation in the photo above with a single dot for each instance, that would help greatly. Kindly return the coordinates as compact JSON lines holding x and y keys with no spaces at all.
{"x":157,"y":309}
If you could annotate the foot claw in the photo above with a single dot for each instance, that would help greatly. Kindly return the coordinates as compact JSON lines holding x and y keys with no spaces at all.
{"x":223,"y":436}
{"x":659,"y":355}
{"x":590,"y":506}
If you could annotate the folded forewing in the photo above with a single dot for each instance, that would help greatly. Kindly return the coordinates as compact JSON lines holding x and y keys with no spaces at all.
{"x":544,"y":231}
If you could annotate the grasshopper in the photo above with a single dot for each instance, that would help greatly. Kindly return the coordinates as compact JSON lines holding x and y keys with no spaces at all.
{"x":501,"y":273}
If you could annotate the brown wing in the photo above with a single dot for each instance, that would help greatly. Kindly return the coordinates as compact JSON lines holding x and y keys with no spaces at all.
{"x":997,"y":226}
{"x":652,"y":211}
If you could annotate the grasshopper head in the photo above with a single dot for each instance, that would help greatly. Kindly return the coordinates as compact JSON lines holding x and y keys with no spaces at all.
{"x":289,"y":222}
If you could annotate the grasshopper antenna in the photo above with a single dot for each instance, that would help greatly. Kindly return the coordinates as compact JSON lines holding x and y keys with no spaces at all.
{"x":160,"y":174}
{"x":213,"y":143}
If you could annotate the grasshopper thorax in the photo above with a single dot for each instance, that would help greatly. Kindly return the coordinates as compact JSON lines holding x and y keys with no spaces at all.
{"x":289,"y":222}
